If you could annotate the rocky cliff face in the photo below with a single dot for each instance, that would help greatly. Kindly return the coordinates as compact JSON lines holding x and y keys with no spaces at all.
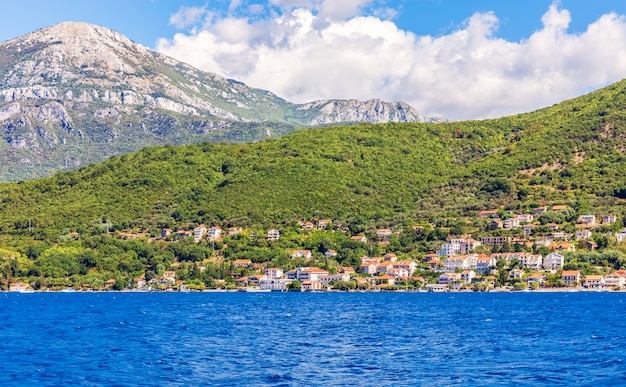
{"x":76,"y":93}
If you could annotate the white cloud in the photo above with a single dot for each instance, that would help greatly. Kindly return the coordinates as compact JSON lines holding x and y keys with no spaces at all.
{"x":187,"y":16}
{"x":315,"y":50}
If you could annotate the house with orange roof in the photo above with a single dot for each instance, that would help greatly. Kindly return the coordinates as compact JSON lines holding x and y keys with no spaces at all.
{"x":594,"y":282}
{"x":369,"y":268}
{"x":301,"y":254}
{"x":563,"y":246}
{"x":22,"y":287}
{"x":384,"y":266}
{"x":309,"y":286}
{"x":410,"y":266}
{"x":359,"y":238}
{"x":571,"y":277}
{"x":346,"y":269}
{"x":385,"y":279}
{"x":390,"y":257}
{"x":397,"y":272}
{"x":434,"y":264}
{"x":559,"y":207}
{"x":330,"y":253}
{"x":241,"y":263}
{"x":308,"y":226}
{"x":310,"y":273}
{"x":383,"y":232}
{"x":536,"y":277}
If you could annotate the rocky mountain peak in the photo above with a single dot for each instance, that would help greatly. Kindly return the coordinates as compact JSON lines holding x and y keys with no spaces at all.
{"x":77,"y":92}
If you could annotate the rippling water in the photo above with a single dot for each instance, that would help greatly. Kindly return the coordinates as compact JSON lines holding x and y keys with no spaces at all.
{"x":364,"y":339}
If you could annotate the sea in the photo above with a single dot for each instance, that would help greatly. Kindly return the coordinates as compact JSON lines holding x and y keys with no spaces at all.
{"x":313,"y":339}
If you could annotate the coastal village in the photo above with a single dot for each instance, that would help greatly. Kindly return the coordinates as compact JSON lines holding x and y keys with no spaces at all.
{"x":525,"y":251}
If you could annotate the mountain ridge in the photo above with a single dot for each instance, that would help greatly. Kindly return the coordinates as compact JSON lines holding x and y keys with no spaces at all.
{"x":76,"y":93}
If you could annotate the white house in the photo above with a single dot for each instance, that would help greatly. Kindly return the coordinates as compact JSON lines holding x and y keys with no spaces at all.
{"x":198,"y":232}
{"x":553,"y":261}
{"x":215,"y":233}
{"x":273,"y":235}
{"x":614,"y":280}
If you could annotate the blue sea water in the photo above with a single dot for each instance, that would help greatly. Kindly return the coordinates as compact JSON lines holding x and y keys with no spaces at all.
{"x":312,"y":339}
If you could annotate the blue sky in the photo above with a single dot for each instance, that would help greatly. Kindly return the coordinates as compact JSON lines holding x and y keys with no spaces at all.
{"x":457,"y":58}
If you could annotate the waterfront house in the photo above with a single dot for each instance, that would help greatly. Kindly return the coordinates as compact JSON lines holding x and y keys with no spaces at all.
{"x":571,"y":277}
{"x":22,"y":287}
{"x":274,"y":284}
{"x":614,"y":280}
{"x":310,"y":273}
{"x":385,"y":279}
{"x":109,"y":283}
{"x":309,"y":286}
{"x":536,"y":278}
{"x":517,"y":273}
{"x":594,"y":282}
{"x":169,"y":276}
{"x":255,"y":280}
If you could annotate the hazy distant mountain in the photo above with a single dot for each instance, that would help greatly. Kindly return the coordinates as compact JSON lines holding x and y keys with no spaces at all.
{"x":76,"y":93}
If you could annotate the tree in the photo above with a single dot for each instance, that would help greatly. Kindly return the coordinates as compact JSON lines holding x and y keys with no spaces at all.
{"x":295,"y":285}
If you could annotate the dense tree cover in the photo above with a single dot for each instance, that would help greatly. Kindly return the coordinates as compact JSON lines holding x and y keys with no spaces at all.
{"x":362,"y":177}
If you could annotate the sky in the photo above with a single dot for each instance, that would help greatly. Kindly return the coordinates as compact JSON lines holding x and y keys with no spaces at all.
{"x":459,"y":59}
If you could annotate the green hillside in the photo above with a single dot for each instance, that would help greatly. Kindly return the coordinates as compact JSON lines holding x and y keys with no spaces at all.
{"x":361,"y":176}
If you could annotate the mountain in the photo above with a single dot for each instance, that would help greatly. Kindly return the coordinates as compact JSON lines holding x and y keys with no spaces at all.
{"x":75,"y":93}
{"x":362,"y":176}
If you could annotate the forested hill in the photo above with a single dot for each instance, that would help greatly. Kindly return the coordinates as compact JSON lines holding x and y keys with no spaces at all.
{"x":360,"y":176}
